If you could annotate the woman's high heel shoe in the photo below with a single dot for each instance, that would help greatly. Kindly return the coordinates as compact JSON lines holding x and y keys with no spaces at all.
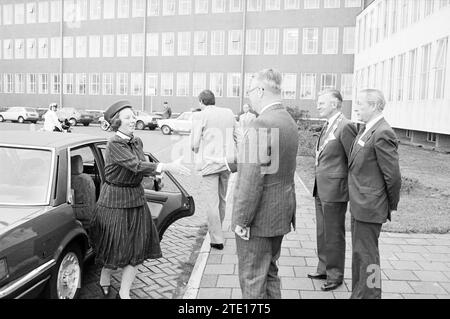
{"x":105,"y":290}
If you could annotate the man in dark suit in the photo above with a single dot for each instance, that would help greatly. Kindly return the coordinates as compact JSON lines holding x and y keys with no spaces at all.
{"x":331,"y":188}
{"x":374,"y":189}
{"x":264,"y":202}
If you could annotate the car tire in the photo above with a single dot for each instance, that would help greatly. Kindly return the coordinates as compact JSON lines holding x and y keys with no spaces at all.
{"x":86,"y":124}
{"x":67,"y":274}
{"x":73,"y":122}
{"x":151,"y":128}
{"x":2,"y":119}
{"x":20,"y":119}
{"x":34,"y":122}
{"x":166,"y":130}
{"x":140,"y":125}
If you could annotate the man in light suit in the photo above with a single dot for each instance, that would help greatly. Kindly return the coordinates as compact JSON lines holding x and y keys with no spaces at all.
{"x":331,"y":188}
{"x":214,"y":133}
{"x":264,"y":196}
{"x":374,"y":188}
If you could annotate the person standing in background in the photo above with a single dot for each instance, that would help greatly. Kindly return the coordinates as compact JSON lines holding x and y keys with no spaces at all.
{"x":167,"y":114}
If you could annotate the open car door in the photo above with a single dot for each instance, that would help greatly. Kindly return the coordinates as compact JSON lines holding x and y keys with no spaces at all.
{"x":167,"y":199}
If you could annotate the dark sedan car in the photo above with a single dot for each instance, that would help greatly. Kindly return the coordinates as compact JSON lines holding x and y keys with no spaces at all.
{"x":48,"y":187}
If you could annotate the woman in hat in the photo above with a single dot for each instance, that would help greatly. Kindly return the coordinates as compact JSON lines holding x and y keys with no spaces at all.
{"x":123,"y":231}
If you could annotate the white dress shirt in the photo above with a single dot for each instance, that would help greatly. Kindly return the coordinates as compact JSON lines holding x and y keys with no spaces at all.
{"x":370,"y":124}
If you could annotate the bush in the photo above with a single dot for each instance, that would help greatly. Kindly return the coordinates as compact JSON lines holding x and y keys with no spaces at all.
{"x":409,"y":184}
{"x":307,"y":141}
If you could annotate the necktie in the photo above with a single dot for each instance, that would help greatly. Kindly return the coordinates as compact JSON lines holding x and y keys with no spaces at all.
{"x":322,"y":134}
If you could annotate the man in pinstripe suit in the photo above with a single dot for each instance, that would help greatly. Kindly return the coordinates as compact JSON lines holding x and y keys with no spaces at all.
{"x":264,"y":198}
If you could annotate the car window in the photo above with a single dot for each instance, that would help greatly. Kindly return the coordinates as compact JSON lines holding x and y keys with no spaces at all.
{"x":86,"y":154}
{"x":30,"y":110}
{"x":13,"y":109}
{"x":25,"y":176}
{"x":183,"y":116}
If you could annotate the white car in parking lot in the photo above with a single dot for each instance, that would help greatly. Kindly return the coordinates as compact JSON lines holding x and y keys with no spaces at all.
{"x":20,"y":114}
{"x":182,"y":123}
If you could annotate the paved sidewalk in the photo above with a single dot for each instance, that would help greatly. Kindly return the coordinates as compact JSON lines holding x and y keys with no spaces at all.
{"x":413,"y":265}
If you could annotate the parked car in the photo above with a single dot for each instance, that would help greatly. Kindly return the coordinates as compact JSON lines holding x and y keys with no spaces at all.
{"x":182,"y":123}
{"x":143,"y":120}
{"x":74,"y":116}
{"x":41,"y":111}
{"x":20,"y":114}
{"x":96,"y":114}
{"x":43,"y":244}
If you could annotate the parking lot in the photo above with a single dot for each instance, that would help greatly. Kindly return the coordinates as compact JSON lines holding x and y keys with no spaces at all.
{"x":167,"y":276}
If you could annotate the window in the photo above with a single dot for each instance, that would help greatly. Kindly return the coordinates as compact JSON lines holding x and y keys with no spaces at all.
{"x":185,"y":7}
{"x":182,"y":84}
{"x":68,"y":47}
{"x":218,"y":6}
{"x":31,"y":12}
{"x":217,"y":42}
{"x":405,"y":10}
{"x":401,"y":77}
{"x":429,"y":7}
{"x":95,"y":9}
{"x":80,"y":80}
{"x":234,"y":42}
{"x":55,"y":47}
{"x":311,"y":4}
{"x":69,"y":10}
{"x":411,"y":86}
{"x":330,"y":40}
{"x":440,"y":65}
{"x":198,"y":83}
{"x":152,"y":44}
{"x":55,"y":86}
{"x":331,"y":3}
{"x":138,"y":8}
{"x":425,"y":72}
{"x":271,"y":41}
{"x":31,"y":49}
{"x":153,"y":8}
{"x":200,"y":43}
{"x":415,"y":11}
{"x":349,"y":40}
{"x":308,"y":86}
{"x":108,"y":86}
{"x":390,"y":81}
{"x":19,"y":83}
{"x":137,"y":44}
{"x":94,"y":83}
{"x":68,"y":83}
{"x":31,"y":83}
{"x":352,"y":3}
{"x":136,"y":83}
{"x":19,"y":13}
{"x":234,"y":85}
{"x":328,"y":81}
{"x":290,"y":41}
{"x":380,"y":76}
{"x":109,"y":9}
{"x":94,"y":46}
{"x":7,"y":49}
{"x":168,"y":45}
{"x":201,"y":6}
{"x":166,"y":84}
{"x":122,"y":45}
{"x":253,"y":42}
{"x":122,"y":84}
{"x":253,"y":5}
{"x":151,"y":84}
{"x":20,"y":48}
{"x":81,"y":47}
{"x":123,"y":8}
{"x":346,"y":86}
{"x":393,"y":16}
{"x":310,"y":40}
{"x":43,"y":12}
{"x":235,"y":5}
{"x":81,"y":10}
{"x":216,"y":84}
{"x":273,"y":5}
{"x":408,"y":133}
{"x":7,"y":17}
{"x":289,"y":86}
{"x":168,"y":8}
{"x":184,"y":43}
{"x":55,"y":11}
{"x":291,"y":4}
{"x":431,"y":137}
{"x":108,"y":46}
{"x":8,"y":82}
{"x":43,"y":83}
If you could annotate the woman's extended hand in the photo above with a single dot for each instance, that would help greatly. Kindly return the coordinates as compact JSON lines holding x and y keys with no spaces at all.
{"x":176,"y":167}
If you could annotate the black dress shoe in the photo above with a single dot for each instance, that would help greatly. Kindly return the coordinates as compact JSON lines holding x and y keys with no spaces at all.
{"x":330,"y":286}
{"x":217,"y":246}
{"x":316,"y":275}
{"x":105,"y":290}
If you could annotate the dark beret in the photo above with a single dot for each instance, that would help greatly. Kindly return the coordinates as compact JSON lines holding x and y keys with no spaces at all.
{"x":115,"y":108}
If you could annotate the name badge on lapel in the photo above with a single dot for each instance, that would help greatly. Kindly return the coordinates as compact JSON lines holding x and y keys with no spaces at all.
{"x":361,"y":143}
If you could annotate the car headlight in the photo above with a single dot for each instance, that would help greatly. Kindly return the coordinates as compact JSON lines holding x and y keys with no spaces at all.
{"x":3,"y":268}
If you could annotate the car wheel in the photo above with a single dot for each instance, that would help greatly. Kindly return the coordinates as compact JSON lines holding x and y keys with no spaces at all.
{"x":73,"y":122}
{"x":34,"y":122}
{"x":65,"y":280}
{"x":86,"y":124}
{"x":166,"y":130}
{"x":140,"y":125}
{"x":2,"y":119}
{"x":151,"y":128}
{"x":20,"y":119}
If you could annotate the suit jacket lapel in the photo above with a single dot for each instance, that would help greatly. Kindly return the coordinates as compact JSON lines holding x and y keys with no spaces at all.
{"x":331,"y":130}
{"x":357,"y":147}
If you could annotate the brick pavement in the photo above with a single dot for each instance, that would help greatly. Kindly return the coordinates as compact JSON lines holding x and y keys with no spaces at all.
{"x":413,"y":265}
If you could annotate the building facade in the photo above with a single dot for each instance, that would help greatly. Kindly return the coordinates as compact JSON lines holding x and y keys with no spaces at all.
{"x":402,"y":49}
{"x":87,"y":54}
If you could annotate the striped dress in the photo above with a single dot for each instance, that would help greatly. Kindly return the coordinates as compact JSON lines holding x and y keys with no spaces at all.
{"x":123,"y":232}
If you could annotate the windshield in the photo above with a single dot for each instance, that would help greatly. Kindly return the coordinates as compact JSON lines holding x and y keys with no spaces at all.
{"x":30,"y":110}
{"x":24,"y":176}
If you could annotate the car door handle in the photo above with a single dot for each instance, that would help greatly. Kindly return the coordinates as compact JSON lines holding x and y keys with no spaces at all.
{"x":156,"y":197}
